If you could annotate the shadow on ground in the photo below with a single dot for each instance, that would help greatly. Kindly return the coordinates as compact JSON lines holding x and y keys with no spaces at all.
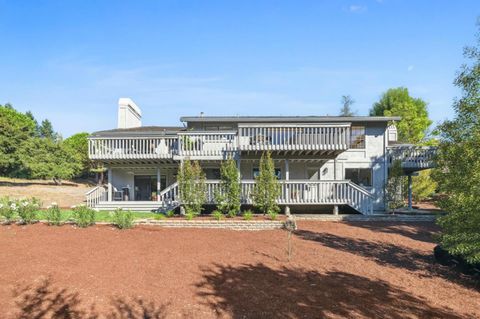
{"x":257,"y":291}
{"x":44,"y":300}
{"x":387,"y":254}
{"x":420,"y":231}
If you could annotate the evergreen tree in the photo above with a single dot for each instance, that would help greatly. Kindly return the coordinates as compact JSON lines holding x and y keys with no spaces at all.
{"x":228,"y":196}
{"x":192,"y":187}
{"x":46,"y":130}
{"x":267,"y":188}
{"x":77,"y":147}
{"x":458,"y":165}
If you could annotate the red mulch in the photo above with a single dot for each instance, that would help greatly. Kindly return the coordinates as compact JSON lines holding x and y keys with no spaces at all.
{"x":339,"y":270}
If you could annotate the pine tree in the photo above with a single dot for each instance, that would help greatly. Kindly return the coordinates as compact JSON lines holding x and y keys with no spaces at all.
{"x":192,"y":187}
{"x":267,"y":188}
{"x":228,"y":196}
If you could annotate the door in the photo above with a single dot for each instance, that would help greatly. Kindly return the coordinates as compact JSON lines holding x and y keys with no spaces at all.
{"x":144,"y":185}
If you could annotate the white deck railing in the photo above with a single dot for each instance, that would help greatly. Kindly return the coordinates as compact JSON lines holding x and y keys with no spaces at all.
{"x":96,"y":195}
{"x":294,"y":137}
{"x":132,"y":147}
{"x":207,"y":144}
{"x":412,"y":157}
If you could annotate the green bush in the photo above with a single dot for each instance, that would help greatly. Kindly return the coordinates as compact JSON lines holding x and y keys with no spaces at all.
{"x":83,"y":216}
{"x":189,"y":215}
{"x":8,"y":209}
{"x":247,"y":215}
{"x":54,"y":215}
{"x":159,"y":216}
{"x":123,"y":219}
{"x":170,"y":213}
{"x":273,"y":214}
{"x":27,"y":210}
{"x":217,"y":214}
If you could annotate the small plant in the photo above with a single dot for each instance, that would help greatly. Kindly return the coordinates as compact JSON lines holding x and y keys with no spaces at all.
{"x":273,"y":214}
{"x":83,"y":216}
{"x":27,"y":210}
{"x":247,"y":215}
{"x":232,"y":213}
{"x":170,"y":213}
{"x":54,"y":215}
{"x":8,"y":210}
{"x":123,"y":219}
{"x":159,"y":216}
{"x":217,"y":214}
{"x":189,"y":215}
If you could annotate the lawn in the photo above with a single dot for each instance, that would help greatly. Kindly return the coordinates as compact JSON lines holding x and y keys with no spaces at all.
{"x":101,"y":216}
{"x":338,"y":270}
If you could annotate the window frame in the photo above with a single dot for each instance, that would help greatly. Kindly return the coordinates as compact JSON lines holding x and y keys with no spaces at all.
{"x":370,"y":169}
{"x":352,"y":140}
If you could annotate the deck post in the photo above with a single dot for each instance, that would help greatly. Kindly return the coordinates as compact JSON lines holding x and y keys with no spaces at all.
{"x":287,"y":177}
{"x":158,"y":184}
{"x":410,"y":207}
{"x":238,"y":169}
{"x":110,"y":188}
{"x":335,"y":210}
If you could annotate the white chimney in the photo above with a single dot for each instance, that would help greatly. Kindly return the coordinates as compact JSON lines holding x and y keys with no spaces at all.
{"x":129,"y":114}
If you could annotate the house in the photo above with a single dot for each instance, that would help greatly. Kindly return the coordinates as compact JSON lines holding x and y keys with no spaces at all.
{"x":322,"y":162}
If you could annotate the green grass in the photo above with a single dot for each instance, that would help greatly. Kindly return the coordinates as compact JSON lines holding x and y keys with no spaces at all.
{"x":102,"y":216}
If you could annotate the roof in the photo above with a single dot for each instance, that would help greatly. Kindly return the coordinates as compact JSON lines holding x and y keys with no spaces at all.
{"x":292,"y":119}
{"x":139,"y":131}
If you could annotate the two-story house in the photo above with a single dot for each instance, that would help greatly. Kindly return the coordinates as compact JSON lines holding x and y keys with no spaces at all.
{"x":322,"y":162}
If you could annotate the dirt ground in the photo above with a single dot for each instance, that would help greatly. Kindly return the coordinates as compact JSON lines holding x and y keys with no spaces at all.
{"x":338,"y":270}
{"x":65,"y":195}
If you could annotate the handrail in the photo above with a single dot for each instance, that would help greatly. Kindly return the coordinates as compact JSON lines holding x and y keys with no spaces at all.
{"x":95,"y":195}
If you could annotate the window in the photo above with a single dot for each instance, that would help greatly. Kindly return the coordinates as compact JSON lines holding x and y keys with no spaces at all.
{"x":360,"y":176}
{"x":278,"y":173}
{"x":212,"y":173}
{"x":357,"y":137}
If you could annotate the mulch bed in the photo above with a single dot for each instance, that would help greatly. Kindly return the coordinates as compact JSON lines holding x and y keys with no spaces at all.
{"x":338,"y":270}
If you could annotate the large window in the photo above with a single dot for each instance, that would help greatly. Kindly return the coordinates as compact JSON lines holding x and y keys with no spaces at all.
{"x":357,"y":137}
{"x":360,"y":176}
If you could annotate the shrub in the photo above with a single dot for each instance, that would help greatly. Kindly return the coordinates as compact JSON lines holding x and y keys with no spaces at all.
{"x":170,"y":213}
{"x":247,"y":215}
{"x":8,"y":209}
{"x":27,"y":210}
{"x":159,"y":216}
{"x":192,"y":187}
{"x":267,"y":188}
{"x":217,"y":214}
{"x":189,"y":215}
{"x":228,"y":193}
{"x":54,"y":215}
{"x":273,"y":214}
{"x":83,"y":216}
{"x":123,"y":219}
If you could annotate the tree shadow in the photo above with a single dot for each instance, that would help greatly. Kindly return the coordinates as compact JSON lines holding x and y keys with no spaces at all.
{"x":257,"y":291}
{"x":43,"y":300}
{"x":386,"y":254}
{"x":420,"y":231}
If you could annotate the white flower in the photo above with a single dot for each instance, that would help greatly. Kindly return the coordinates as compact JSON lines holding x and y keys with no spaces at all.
{"x":73,"y":206}
{"x":54,"y":204}
{"x":1,"y":205}
{"x":13,"y":206}
{"x":24,"y":204}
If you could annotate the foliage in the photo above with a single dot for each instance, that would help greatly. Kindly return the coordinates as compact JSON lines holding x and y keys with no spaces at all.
{"x":218,"y":215}
{"x":27,"y":210}
{"x":53,"y":215}
{"x":192,"y":187}
{"x":393,"y":192}
{"x":458,"y":165}
{"x":423,"y":186}
{"x":46,"y":131}
{"x":8,"y":209}
{"x":77,"y":148}
{"x":159,"y":216}
{"x":123,"y":219}
{"x":189,"y":215}
{"x":247,"y":215}
{"x":267,"y":188}
{"x":273,"y":214}
{"x":170,"y":213}
{"x":347,"y":103}
{"x":414,"y":123}
{"x":228,"y":195}
{"x":83,"y":216}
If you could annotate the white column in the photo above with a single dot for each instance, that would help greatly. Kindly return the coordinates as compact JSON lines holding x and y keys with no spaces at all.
{"x":287,"y":195}
{"x":238,"y":169}
{"x":335,"y":169}
{"x":158,"y":184}
{"x":110,"y":188}
{"x":287,"y":170}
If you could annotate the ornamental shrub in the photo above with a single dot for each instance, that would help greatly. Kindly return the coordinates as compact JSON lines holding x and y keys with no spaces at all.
{"x":83,"y":216}
{"x":247,"y":215}
{"x":123,"y":219}
{"x":27,"y":210}
{"x":218,"y":215}
{"x":8,"y":209}
{"x":192,"y":187}
{"x":228,"y":194}
{"x":267,"y":188}
{"x":54,"y":215}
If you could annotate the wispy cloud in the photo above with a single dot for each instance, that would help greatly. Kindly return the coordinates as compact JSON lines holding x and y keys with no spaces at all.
{"x":410,"y":68}
{"x":355,"y":8}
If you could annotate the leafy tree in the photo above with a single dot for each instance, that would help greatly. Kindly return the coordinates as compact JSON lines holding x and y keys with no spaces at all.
{"x":458,"y":165}
{"x":347,"y":103}
{"x":37,"y":127}
{"x":192,"y":187}
{"x":267,"y":188}
{"x":394,"y":193}
{"x":77,"y":146}
{"x":46,"y":130}
{"x":228,"y":196}
{"x":413,"y":126}
{"x":15,"y":129}
{"x":44,"y":159}
{"x":423,"y":186}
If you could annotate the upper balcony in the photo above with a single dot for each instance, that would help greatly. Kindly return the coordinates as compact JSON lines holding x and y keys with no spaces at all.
{"x":207,"y":145}
{"x":294,"y":137}
{"x":412,"y":157}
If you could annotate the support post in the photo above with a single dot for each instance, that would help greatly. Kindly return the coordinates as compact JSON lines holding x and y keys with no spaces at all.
{"x":158,"y":184}
{"x":238,"y":169}
{"x":410,"y":207}
{"x":335,"y":210}
{"x":287,"y":178}
{"x":110,"y":188}
{"x":335,"y":169}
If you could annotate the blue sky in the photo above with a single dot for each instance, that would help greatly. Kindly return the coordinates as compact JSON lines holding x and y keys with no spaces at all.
{"x":70,"y":61}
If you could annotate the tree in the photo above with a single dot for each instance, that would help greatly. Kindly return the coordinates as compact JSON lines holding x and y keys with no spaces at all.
{"x":423,"y":186}
{"x":77,"y":146}
{"x":347,"y":103}
{"x":413,"y":126}
{"x":228,"y":196}
{"x":394,"y":190}
{"x":15,"y":129}
{"x":37,"y":127}
{"x":192,"y":187}
{"x":267,"y":187}
{"x":46,"y":130}
{"x":458,"y":165}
